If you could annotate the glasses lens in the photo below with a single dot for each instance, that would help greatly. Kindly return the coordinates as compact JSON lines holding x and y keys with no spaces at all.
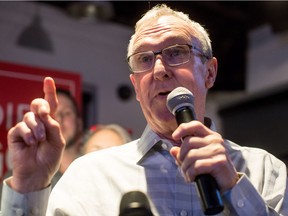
{"x":176,"y":55}
{"x":140,"y":62}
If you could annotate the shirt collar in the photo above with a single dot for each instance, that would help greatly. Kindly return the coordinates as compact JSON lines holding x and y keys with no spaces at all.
{"x":149,"y":138}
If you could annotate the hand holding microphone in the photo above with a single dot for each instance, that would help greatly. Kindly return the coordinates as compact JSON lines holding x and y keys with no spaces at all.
{"x":180,"y":103}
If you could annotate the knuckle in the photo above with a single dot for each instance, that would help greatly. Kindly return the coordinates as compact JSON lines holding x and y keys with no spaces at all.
{"x":27,"y":116}
{"x":221,"y":161}
{"x":11,"y":131}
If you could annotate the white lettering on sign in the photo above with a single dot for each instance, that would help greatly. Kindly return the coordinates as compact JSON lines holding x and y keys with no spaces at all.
{"x":9,"y":120}
{"x":21,"y":109}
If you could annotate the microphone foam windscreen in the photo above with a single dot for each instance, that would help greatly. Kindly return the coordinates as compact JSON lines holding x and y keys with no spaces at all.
{"x":179,"y":97}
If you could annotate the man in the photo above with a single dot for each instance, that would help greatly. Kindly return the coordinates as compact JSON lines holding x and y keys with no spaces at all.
{"x":166,"y":51}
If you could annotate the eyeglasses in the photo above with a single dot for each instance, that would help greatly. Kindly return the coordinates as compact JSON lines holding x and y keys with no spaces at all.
{"x":173,"y":56}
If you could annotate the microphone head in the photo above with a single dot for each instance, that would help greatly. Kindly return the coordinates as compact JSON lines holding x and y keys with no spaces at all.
{"x":178,"y":98}
{"x":135,"y":203}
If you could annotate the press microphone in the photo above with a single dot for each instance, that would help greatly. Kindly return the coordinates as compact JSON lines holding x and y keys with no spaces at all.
{"x":180,"y":103}
{"x":135,"y":203}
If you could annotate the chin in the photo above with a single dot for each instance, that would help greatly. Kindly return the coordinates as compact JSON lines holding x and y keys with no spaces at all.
{"x":167,"y":119}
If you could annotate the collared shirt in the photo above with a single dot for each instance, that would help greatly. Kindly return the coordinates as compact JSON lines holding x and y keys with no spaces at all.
{"x":95,"y":183}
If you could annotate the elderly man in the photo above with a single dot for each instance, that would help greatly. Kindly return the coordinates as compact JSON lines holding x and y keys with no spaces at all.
{"x":168,"y":50}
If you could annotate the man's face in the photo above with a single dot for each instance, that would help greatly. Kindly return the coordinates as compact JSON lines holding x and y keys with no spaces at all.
{"x":153,"y":86}
{"x":67,"y":118}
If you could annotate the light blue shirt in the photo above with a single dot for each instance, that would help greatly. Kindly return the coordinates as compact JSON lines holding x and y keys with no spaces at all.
{"x":95,"y":183}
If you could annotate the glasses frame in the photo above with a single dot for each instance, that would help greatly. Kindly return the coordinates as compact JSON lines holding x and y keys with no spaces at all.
{"x":192,"y":47}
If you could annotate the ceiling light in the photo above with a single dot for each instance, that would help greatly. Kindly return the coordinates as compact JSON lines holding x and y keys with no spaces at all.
{"x":35,"y":36}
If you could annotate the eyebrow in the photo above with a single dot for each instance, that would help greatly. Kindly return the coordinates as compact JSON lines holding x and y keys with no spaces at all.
{"x":175,"y":39}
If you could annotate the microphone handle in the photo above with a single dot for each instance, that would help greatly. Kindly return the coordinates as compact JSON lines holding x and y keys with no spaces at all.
{"x":210,"y":195}
{"x":207,"y":186}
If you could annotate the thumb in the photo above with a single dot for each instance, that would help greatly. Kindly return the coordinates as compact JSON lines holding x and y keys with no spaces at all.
{"x":174,"y":151}
{"x":50,"y":95}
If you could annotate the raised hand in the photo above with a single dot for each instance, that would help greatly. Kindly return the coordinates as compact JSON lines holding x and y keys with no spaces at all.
{"x":36,"y":143}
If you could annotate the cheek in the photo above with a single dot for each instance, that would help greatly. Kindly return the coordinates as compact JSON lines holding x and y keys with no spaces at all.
{"x":70,"y":125}
{"x":194,"y":81}
{"x":141,"y":85}
{"x":199,"y":78}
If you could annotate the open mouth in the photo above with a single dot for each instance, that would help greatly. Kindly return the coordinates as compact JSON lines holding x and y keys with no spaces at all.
{"x":164,"y":93}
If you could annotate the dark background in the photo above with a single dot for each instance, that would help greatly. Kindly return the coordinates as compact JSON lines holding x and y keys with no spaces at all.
{"x":258,"y":120}
{"x":228,"y":23}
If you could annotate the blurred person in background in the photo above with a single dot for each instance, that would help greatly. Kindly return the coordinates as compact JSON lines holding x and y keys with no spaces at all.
{"x":71,"y":123}
{"x":104,"y":136}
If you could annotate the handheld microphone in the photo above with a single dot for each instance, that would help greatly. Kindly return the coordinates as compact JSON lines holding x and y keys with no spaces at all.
{"x":135,"y":203}
{"x":180,"y":103}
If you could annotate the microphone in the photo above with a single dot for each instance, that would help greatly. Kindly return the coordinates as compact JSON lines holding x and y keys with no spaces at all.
{"x":180,"y":103}
{"x":135,"y":203}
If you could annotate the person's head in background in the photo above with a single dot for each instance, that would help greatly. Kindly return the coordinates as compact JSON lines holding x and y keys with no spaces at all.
{"x":105,"y":136}
{"x":68,"y":116}
{"x":71,"y":123}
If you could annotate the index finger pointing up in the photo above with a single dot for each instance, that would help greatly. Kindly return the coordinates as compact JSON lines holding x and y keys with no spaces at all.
{"x":49,"y":89}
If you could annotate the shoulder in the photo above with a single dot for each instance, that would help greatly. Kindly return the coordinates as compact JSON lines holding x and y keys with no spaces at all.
{"x":111,"y":154}
{"x":253,"y":156}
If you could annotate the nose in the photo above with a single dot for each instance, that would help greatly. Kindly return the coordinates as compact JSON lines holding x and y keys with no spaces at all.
{"x":161,"y":70}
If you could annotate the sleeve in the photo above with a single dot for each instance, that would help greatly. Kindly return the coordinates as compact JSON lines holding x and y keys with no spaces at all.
{"x":17,"y":204}
{"x":243,"y":199}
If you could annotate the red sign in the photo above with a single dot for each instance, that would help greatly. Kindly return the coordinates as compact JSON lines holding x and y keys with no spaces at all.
{"x":19,"y":85}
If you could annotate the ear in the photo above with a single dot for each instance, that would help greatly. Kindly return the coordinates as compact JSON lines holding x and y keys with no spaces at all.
{"x":133,"y":81}
{"x":212,"y":68}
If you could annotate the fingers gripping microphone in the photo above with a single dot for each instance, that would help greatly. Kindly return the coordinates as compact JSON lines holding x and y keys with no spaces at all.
{"x":180,"y":103}
{"x":135,"y":203}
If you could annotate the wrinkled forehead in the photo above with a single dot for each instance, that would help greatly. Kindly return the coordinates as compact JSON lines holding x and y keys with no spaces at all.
{"x":165,"y":30}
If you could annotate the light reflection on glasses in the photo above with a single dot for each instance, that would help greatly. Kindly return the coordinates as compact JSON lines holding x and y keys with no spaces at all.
{"x":173,"y":56}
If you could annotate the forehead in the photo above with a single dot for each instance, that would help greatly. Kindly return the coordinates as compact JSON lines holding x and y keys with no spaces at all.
{"x":164,"y":31}
{"x":64,"y":102}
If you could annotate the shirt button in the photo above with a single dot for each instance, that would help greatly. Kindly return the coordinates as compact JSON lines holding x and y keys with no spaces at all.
{"x":164,"y":146}
{"x":163,"y":168}
{"x":19,"y":212}
{"x":240,"y":203}
{"x":183,"y":213}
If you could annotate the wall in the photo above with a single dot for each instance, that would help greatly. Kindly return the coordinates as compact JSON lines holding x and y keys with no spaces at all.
{"x":267,"y":59}
{"x":258,"y":117}
{"x":96,"y":50}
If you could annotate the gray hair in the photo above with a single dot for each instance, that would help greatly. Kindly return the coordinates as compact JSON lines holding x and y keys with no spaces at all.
{"x":201,"y":35}
{"x":122,"y":132}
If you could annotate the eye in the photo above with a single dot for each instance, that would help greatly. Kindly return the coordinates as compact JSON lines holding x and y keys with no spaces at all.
{"x":175,"y":52}
{"x":144,"y":58}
